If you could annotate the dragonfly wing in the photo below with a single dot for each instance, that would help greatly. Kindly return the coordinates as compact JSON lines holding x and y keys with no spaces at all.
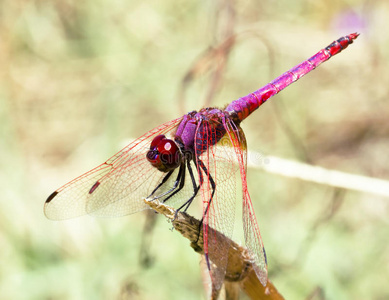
{"x":114,"y":188}
{"x":217,"y":168}
{"x":121,"y":191}
{"x":252,"y":234}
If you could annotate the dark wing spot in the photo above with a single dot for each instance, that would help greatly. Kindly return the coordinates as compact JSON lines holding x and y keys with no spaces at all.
{"x":94,"y":187}
{"x":51,"y":196}
{"x":207,"y":260}
{"x":264,"y":252}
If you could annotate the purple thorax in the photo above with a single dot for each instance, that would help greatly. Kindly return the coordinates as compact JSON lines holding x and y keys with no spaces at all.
{"x":201,"y":129}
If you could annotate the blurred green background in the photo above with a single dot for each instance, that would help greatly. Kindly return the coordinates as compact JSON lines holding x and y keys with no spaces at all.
{"x":79,"y":79}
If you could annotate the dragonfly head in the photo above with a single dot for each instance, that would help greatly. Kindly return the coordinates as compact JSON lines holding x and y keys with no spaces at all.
{"x":164,"y":154}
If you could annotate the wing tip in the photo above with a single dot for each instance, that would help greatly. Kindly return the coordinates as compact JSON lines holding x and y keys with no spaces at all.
{"x":51,"y":197}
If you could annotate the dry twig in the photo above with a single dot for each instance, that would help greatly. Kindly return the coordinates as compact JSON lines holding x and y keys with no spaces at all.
{"x":239,"y":270}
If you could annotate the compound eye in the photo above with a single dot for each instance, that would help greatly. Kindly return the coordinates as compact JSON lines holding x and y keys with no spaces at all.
{"x":164,"y":154}
{"x":170,"y":154}
{"x":157,"y":140}
{"x":153,"y":157}
{"x":167,"y":147}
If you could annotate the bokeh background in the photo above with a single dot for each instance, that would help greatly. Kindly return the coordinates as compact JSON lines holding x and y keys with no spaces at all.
{"x":79,"y":79}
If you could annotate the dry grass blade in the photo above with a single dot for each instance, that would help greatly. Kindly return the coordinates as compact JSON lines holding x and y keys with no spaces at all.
{"x":239,"y":270}
{"x":294,"y":169}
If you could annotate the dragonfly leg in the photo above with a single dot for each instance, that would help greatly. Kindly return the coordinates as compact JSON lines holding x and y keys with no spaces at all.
{"x":213,"y":185}
{"x":195,"y":189}
{"x":163,"y":181}
{"x":181,"y":174}
{"x":180,"y":179}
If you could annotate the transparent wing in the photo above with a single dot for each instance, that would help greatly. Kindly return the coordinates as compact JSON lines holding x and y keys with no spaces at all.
{"x":114,"y":188}
{"x":217,"y":167}
{"x":129,"y":187}
{"x":252,"y":234}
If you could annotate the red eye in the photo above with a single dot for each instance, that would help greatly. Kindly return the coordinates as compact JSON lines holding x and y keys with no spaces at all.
{"x":168,"y":150}
{"x":167,"y":147}
{"x":157,"y":140}
{"x":164,"y":154}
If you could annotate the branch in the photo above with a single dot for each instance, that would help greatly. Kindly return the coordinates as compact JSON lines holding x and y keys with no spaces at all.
{"x":294,"y":169}
{"x":239,"y":269}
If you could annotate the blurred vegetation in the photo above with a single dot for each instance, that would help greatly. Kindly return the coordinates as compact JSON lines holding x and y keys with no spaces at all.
{"x":80,"y":78}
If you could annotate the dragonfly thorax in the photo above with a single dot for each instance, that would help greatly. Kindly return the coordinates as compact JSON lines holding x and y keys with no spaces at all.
{"x":164,"y":154}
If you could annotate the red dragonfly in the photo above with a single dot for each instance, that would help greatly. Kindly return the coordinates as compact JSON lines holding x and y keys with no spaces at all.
{"x":196,"y":155}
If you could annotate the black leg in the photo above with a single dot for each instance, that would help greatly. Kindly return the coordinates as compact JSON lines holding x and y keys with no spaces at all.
{"x":178,"y":180}
{"x":213,"y":185}
{"x":213,"y":192}
{"x":181,"y":178}
{"x":163,"y":181}
{"x":195,"y":189}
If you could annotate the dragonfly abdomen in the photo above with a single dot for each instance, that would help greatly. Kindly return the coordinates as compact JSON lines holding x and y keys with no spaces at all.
{"x":244,"y":106}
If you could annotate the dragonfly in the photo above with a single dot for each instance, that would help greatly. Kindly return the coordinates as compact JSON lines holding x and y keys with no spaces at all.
{"x":198,"y":155}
